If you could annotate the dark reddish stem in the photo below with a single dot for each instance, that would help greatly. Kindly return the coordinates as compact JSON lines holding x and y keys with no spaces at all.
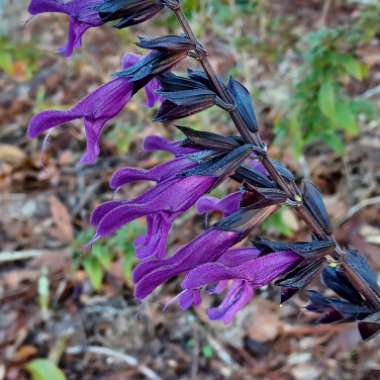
{"x":255,"y":139}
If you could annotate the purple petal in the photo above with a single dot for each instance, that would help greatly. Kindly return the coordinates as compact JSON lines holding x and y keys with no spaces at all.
{"x":130,"y":59}
{"x":158,"y":143}
{"x":42,"y":6}
{"x":102,"y":210}
{"x":151,"y":93}
{"x":258,"y":272}
{"x":49,"y":119}
{"x":74,"y":38}
{"x":265,"y":269}
{"x":207,"y":247}
{"x":156,"y":174}
{"x":154,"y":243}
{"x":239,"y":256}
{"x":83,"y":16}
{"x":93,"y":134}
{"x":226,"y":206}
{"x":175,"y":195}
{"x":96,"y":109}
{"x":208,"y":274}
{"x":238,"y":296}
{"x":189,"y":298}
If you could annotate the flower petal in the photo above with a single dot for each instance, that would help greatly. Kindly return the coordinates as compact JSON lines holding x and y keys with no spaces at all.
{"x":238,"y":296}
{"x":226,"y":206}
{"x":157,"y":174}
{"x":207,"y":247}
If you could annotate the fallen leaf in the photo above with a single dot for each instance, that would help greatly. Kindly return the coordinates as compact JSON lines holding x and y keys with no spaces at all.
{"x":12,"y":155}
{"x":62,"y":219}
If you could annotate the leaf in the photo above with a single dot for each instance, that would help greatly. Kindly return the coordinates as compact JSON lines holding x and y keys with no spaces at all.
{"x":6,"y":62}
{"x":326,"y":99}
{"x":94,"y":271}
{"x":62,"y":220}
{"x":354,"y":67}
{"x":103,"y":255}
{"x":44,"y":369}
{"x":345,"y":117}
{"x":129,"y":261}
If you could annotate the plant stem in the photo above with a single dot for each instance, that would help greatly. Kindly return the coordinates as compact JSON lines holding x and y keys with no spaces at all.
{"x":292,"y":191}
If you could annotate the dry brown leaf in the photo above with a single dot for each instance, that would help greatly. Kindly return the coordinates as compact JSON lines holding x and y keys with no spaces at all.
{"x":12,"y":155}
{"x":61,"y":217}
{"x":264,"y":322}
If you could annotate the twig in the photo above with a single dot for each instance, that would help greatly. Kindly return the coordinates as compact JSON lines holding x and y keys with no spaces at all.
{"x":128,"y":359}
{"x":196,"y":349}
{"x":9,"y":256}
{"x":372,"y":92}
{"x":224,"y":356}
{"x":327,"y":6}
{"x":358,"y":207}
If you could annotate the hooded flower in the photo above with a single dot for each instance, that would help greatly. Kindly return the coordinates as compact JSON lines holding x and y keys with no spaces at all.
{"x":96,"y":109}
{"x":225,"y":206}
{"x":247,"y":271}
{"x":83,"y":15}
{"x":178,"y":187}
{"x":162,"y":204}
{"x":206,"y":248}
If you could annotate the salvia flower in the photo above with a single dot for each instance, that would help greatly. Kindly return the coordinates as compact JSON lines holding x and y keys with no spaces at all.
{"x":247,"y":273}
{"x":83,"y":16}
{"x":96,"y":109}
{"x":174,"y":193}
{"x":207,"y":247}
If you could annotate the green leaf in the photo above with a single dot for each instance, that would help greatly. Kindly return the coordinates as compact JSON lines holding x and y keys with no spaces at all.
{"x":44,"y":369}
{"x":345,"y":118}
{"x":6,"y":62}
{"x":333,"y":140}
{"x":103,"y":255}
{"x":129,"y":261}
{"x":354,"y":67}
{"x":207,"y":351}
{"x":94,"y":271}
{"x":327,"y":99}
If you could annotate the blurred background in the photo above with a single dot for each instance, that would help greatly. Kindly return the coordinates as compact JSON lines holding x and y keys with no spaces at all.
{"x":313,"y":68}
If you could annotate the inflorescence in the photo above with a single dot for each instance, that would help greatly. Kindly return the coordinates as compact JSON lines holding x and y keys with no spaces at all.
{"x":219,"y":260}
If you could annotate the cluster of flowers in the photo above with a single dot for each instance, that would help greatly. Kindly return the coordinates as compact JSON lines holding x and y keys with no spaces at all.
{"x":215,"y":261}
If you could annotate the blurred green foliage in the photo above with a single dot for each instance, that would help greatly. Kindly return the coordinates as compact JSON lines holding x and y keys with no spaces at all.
{"x":320,"y":108}
{"x":44,"y":369}
{"x":97,"y":261}
{"x":18,"y":59}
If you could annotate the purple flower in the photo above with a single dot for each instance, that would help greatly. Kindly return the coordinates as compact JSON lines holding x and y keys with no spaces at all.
{"x":162,"y":204}
{"x":207,"y":247}
{"x":225,"y":206}
{"x":83,"y":15}
{"x":246,"y":269}
{"x":178,"y":187}
{"x":96,"y":110}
